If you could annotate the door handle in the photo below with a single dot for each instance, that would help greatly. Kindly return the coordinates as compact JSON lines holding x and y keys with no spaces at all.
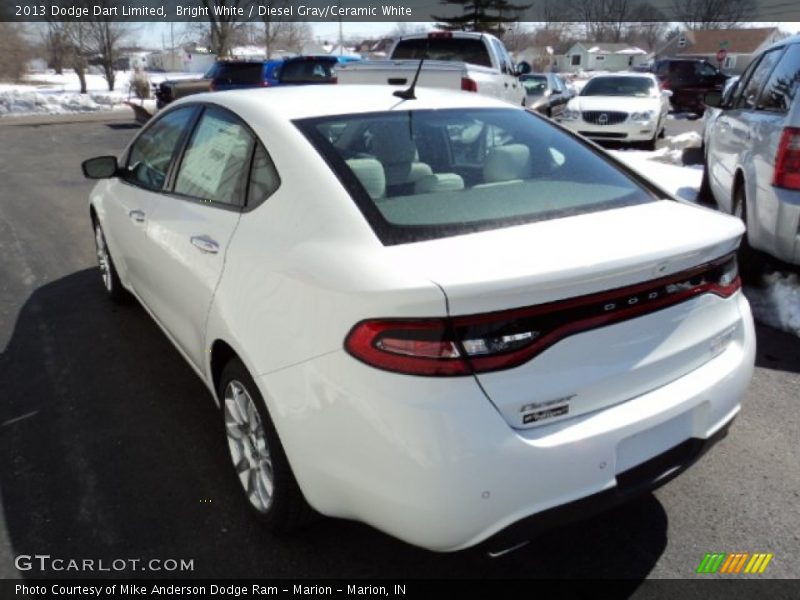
{"x":205,"y":244}
{"x":506,"y":84}
{"x":137,"y":215}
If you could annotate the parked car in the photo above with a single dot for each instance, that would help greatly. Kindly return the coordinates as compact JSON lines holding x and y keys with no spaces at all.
{"x":309,"y":70}
{"x":622,"y":107}
{"x":173,"y":89}
{"x":450,"y":319}
{"x":454,"y":60}
{"x":688,"y":79}
{"x":752,"y":154}
{"x":238,"y":74}
{"x":546,"y":93}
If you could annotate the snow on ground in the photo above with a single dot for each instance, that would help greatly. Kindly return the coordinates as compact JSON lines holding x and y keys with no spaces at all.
{"x":46,"y":92}
{"x":675,"y":178}
{"x":777,"y":303}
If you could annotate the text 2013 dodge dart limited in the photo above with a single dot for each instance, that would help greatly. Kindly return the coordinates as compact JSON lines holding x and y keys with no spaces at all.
{"x":443,"y":316}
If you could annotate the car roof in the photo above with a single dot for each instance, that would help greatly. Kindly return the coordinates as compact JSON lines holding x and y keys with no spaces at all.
{"x":792,"y":39}
{"x":299,"y":102}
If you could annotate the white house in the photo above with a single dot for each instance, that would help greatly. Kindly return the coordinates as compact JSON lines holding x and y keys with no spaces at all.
{"x":601,"y":56}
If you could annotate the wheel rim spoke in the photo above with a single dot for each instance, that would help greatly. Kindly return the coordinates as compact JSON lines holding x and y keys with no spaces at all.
{"x":248,"y":445}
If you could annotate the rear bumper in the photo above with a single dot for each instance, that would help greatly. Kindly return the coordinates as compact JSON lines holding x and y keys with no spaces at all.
{"x":432,"y":462}
{"x":631,"y":483}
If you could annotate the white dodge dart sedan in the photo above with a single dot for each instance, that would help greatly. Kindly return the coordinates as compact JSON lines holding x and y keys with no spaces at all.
{"x":443,"y":316}
{"x":623,"y":107}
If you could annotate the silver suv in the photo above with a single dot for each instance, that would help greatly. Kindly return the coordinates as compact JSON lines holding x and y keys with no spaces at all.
{"x":752,"y":153}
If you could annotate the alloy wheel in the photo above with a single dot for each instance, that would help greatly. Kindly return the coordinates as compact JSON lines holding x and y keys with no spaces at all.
{"x":249,"y":449}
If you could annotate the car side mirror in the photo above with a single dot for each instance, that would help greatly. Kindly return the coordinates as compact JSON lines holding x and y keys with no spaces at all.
{"x":100,"y":167}
{"x":555,"y":92}
{"x":713,"y":99}
{"x":523,"y":68}
{"x":666,"y":93}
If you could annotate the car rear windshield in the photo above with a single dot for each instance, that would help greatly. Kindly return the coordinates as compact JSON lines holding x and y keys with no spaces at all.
{"x":619,"y":86}
{"x":471,"y":51}
{"x":307,"y":71}
{"x":427,"y":174}
{"x":240,"y":72}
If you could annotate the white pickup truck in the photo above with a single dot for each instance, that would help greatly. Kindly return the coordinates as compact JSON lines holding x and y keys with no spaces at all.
{"x":459,"y":60}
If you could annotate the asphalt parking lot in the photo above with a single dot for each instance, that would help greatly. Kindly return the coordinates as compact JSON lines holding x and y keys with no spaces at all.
{"x":110,"y":447}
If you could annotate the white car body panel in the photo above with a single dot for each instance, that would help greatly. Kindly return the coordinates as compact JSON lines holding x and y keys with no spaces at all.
{"x":438,"y":462}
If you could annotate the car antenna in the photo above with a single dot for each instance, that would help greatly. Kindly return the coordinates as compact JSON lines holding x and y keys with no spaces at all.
{"x":408,"y":94}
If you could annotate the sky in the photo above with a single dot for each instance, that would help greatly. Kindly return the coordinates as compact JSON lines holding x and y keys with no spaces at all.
{"x":153,"y":33}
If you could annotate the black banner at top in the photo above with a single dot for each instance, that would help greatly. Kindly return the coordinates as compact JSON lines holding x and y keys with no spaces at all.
{"x":387,"y":10}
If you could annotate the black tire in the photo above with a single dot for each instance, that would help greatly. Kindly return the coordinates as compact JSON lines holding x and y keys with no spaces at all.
{"x":286,"y":509}
{"x":650,"y":145}
{"x":108,"y":272}
{"x":704,"y":194}
{"x":750,"y":260}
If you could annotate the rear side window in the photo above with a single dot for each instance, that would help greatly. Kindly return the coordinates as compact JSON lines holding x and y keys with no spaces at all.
{"x":151,"y":154}
{"x":428,"y":174}
{"x":217,"y":160}
{"x":239,"y":72}
{"x":449,"y":49}
{"x":307,"y":71}
{"x":753,"y":86}
{"x":781,"y":88}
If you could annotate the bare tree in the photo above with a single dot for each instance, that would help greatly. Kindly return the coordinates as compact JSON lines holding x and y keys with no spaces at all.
{"x":56,"y":45}
{"x":15,"y":51}
{"x":296,"y":36}
{"x":104,"y":40}
{"x":649,"y":28}
{"x":712,"y":14}
{"x":223,"y":27}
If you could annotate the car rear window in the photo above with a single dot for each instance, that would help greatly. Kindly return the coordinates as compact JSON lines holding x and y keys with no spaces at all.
{"x":307,"y":71}
{"x":449,"y":49}
{"x":427,"y":174}
{"x":243,"y":72}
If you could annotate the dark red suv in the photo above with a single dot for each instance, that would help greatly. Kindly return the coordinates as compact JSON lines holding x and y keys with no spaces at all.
{"x":688,"y":79}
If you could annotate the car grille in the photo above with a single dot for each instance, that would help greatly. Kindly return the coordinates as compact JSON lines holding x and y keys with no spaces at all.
{"x":604,"y":117}
{"x":604,"y":135}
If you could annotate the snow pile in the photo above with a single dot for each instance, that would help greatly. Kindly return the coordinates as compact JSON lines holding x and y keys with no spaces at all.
{"x":680,"y":181}
{"x":778,"y":303}
{"x":673,"y":148}
{"x":49,"y":93}
{"x":17,"y":101}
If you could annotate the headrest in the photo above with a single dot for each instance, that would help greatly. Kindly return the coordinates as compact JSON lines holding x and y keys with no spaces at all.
{"x":504,"y":163}
{"x":370,"y":173}
{"x":439,"y":182}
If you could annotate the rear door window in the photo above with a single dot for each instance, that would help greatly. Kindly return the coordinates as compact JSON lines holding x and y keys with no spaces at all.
{"x":217,"y":160}
{"x":781,"y":88}
{"x":240,"y":72}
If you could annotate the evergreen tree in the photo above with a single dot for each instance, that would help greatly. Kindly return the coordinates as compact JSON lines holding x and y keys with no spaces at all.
{"x":481,"y":15}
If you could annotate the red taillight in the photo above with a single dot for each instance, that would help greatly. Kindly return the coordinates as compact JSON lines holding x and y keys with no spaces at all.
{"x":787,"y":160}
{"x":212,"y":87}
{"x":266,"y":84}
{"x":506,"y":339}
{"x":334,"y":80}
{"x":664,"y":85}
{"x":469,"y":85}
{"x":415,"y":347}
{"x":440,"y":35}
